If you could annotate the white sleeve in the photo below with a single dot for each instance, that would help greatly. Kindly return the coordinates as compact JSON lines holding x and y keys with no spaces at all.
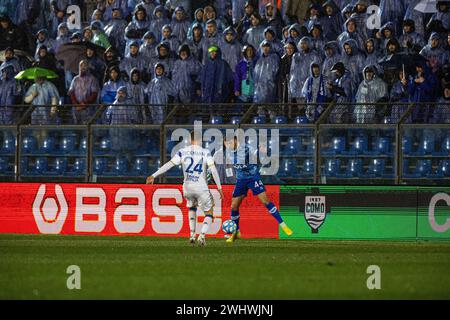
{"x":166,"y":167}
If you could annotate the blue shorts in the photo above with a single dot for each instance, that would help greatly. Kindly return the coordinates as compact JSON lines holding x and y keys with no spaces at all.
{"x":243,"y":185}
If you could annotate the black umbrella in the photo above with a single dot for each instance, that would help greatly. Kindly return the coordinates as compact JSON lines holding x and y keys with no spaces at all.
{"x":72,"y":53}
{"x":406,"y":61}
{"x":19,"y":54}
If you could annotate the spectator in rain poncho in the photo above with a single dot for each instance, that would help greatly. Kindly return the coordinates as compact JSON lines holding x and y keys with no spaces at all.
{"x":180,"y":24}
{"x":43,"y":94}
{"x":198,"y":19}
{"x":170,"y":39}
{"x":27,"y":12}
{"x":353,"y":59}
{"x":8,"y":8}
{"x":99,"y":38}
{"x":63,"y":36}
{"x":331,"y":21}
{"x":285,"y":69}
{"x":332,"y":56}
{"x":351,"y":32}
{"x":148,"y":5}
{"x":361,"y":17}
{"x":134,"y":59}
{"x":163,"y":58}
{"x":185,"y":75}
{"x":11,"y":60}
{"x":136,"y":89}
{"x":273,"y":19}
{"x":422,"y":88}
{"x":266,"y":75}
{"x":275,"y":45}
{"x":111,"y":59}
{"x":416,"y":16}
{"x":171,"y":5}
{"x":123,"y":112}
{"x":96,"y":64}
{"x":347,"y":11}
{"x":44,"y":39}
{"x":443,"y":13}
{"x":160,"y":91}
{"x":244,"y":87}
{"x":435,"y":53}
{"x":109,"y":5}
{"x":109,"y":90}
{"x":410,"y":39}
{"x":230,"y":47}
{"x":399,"y":98}
{"x":211,"y":14}
{"x":238,"y":10}
{"x":254,"y":35}
{"x":372,"y":55}
{"x":245,"y":23}
{"x":158,"y":21}
{"x":300,"y":67}
{"x":148,"y":46}
{"x":392,"y":11}
{"x":115,"y":30}
{"x":441,"y":111}
{"x":211,"y":38}
{"x":317,"y":40}
{"x":314,"y":14}
{"x":83,"y":93}
{"x":216,"y":78}
{"x":97,"y":16}
{"x":137,"y":27}
{"x":315,"y":93}
{"x":371,"y":90}
{"x":196,"y":43}
{"x":341,"y":90}
{"x":9,"y":94}
{"x":387,"y":33}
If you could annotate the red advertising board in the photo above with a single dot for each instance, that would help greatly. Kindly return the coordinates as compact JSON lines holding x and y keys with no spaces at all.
{"x":113,"y":209}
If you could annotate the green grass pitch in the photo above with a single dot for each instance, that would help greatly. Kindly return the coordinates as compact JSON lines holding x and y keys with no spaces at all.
{"x":34,"y":267}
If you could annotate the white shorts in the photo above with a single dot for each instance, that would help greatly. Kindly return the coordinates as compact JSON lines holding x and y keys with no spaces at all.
{"x":199,"y":199}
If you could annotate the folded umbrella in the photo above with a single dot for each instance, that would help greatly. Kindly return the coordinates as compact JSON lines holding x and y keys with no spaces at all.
{"x":426,"y":6}
{"x":33,"y":73}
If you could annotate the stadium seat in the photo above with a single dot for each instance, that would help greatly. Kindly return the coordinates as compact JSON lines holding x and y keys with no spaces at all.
{"x":151,"y":145}
{"x":280,"y":120}
{"x":301,"y":120}
{"x":407,"y":144}
{"x":83,"y":145}
{"x":307,"y":168}
{"x":388,"y":120}
{"x":8,"y":145}
{"x":235,"y":120}
{"x":67,"y":144}
{"x":60,"y":165}
{"x":445,"y":148}
{"x":79,"y":166}
{"x":376,"y":168}
{"x":383,"y":146}
{"x":41,"y":165}
{"x":360,"y":145}
{"x":405,"y":167}
{"x":105,"y":145}
{"x":175,"y":172}
{"x":140,"y":166}
{"x":311,"y":146}
{"x":422,"y":169}
{"x":259,"y":120}
{"x":216,"y":120}
{"x":29,"y":144}
{"x":120,"y":166}
{"x":337,"y":147}
{"x":3,"y":165}
{"x":354,"y":169}
{"x":288,"y":168}
{"x":24,"y":165}
{"x":100,"y":165}
{"x":443,"y":170}
{"x":48,"y":145}
{"x":426,"y":146}
{"x":293,"y":146}
{"x":332,"y":167}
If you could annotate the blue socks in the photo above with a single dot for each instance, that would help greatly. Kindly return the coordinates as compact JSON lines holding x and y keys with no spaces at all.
{"x":274,"y":211}
{"x":235,"y":217}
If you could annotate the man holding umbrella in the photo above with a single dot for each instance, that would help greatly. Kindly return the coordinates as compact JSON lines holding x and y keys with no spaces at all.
{"x":41,"y":94}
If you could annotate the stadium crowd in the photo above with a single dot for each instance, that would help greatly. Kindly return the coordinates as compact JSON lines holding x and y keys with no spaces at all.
{"x":154,"y":52}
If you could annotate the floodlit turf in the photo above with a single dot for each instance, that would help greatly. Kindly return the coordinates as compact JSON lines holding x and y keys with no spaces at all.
{"x":168,"y":268}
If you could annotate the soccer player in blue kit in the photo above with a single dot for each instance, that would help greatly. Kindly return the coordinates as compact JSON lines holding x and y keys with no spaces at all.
{"x":247,"y":177}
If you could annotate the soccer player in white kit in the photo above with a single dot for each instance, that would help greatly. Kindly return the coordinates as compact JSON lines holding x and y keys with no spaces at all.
{"x":195,"y":160}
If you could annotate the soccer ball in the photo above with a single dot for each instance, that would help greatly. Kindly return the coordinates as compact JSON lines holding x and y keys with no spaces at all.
{"x":229,"y":227}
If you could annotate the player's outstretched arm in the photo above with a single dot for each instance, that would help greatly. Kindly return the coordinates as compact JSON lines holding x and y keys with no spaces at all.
{"x":166,"y":167}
